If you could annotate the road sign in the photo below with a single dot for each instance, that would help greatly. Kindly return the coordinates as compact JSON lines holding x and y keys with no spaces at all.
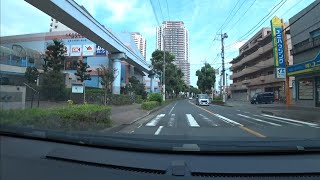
{"x":280,"y":73}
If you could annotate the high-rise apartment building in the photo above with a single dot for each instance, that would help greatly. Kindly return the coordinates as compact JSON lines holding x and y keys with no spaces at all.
{"x":172,"y":36}
{"x":140,"y":42}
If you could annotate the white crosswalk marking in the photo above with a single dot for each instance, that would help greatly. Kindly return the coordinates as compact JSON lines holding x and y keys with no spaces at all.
{"x":158,"y":130}
{"x":256,"y":119}
{"x":155,"y":121}
{"x":192,"y":122}
{"x":209,"y":121}
{"x":227,"y":120}
{"x":171,"y":120}
{"x":292,"y":120}
{"x":279,"y":120}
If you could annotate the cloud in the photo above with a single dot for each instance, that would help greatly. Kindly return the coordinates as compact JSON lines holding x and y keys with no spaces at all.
{"x":15,"y":23}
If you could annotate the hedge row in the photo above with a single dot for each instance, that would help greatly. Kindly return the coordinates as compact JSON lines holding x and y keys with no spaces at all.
{"x":150,"y":105}
{"x":72,"y":117}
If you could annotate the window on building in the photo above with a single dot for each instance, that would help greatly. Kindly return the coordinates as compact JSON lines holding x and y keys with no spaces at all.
{"x":305,"y":89}
{"x":315,"y":34}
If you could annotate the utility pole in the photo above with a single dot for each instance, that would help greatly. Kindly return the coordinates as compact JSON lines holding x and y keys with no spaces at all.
{"x":223,"y":36}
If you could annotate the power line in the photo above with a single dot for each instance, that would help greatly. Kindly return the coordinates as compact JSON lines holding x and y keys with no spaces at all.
{"x":228,"y":16}
{"x":160,"y":10}
{"x":234,"y":14}
{"x":154,"y":12}
{"x":291,"y":8}
{"x":168,"y":10}
{"x":262,"y":20}
{"x":241,"y":17}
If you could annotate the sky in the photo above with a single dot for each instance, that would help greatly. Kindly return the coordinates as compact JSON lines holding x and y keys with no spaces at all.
{"x":203,"y":19}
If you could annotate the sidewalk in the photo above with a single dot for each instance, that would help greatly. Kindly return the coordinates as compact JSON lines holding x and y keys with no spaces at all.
{"x":279,"y":109}
{"x":126,"y":114}
{"x":311,"y":114}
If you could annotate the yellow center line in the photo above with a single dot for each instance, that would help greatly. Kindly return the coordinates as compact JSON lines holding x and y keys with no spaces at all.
{"x":241,"y":127}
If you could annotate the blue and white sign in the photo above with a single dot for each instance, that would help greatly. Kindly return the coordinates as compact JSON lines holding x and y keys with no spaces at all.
{"x":281,"y":73}
{"x":305,"y":67}
{"x":100,"y":51}
{"x":280,"y":47}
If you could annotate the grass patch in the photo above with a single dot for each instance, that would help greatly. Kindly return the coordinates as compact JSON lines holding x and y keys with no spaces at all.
{"x":72,"y":117}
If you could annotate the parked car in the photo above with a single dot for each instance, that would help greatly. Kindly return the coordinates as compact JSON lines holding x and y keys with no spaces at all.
{"x":265,"y":97}
{"x":203,"y":99}
{"x":190,"y":98}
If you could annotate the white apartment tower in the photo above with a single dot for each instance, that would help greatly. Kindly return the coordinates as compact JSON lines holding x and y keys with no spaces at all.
{"x":56,"y":25}
{"x":172,"y":36}
{"x":140,"y":42}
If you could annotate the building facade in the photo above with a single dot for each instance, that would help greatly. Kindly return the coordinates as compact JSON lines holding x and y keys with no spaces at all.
{"x":22,"y":51}
{"x":56,"y":25}
{"x":140,"y":42}
{"x":253,"y":70}
{"x":305,"y":36}
{"x":172,"y":36}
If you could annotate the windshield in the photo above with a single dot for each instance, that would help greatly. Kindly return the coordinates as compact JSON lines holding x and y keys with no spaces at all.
{"x":156,"y":69}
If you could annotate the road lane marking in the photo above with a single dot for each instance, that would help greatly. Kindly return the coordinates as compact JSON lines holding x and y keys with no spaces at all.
{"x":227,"y":120}
{"x":155,"y":121}
{"x":241,"y":127}
{"x":238,"y":110}
{"x":208,"y":120}
{"x":171,"y":120}
{"x":279,"y":120}
{"x":192,"y":122}
{"x":275,"y":124}
{"x":173,"y":107}
{"x":158,"y":130}
{"x":252,"y":132}
{"x":292,"y":120}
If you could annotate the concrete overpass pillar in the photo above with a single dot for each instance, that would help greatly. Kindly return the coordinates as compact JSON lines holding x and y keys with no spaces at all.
{"x":151,"y":84}
{"x":116,"y":63}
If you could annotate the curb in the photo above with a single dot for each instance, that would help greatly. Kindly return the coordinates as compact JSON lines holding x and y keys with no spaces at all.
{"x":147,"y":114}
{"x":120,"y":126}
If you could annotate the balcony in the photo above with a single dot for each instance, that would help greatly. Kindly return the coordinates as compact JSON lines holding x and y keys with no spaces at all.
{"x":265,"y":80}
{"x":254,"y":55}
{"x":261,"y":65}
{"x":246,"y":82}
{"x":237,"y":86}
{"x":305,"y":47}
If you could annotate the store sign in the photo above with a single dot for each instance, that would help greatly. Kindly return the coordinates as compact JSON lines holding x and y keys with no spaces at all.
{"x":281,"y":73}
{"x":76,"y":50}
{"x":67,"y":48}
{"x":305,"y":67}
{"x":278,"y":47}
{"x":100,"y":51}
{"x":88,"y":50}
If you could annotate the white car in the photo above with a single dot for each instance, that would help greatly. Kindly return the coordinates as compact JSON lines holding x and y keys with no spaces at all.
{"x":203,"y":100}
{"x":190,"y":98}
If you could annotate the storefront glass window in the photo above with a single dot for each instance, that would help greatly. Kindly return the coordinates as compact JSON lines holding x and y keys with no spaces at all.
{"x":306,"y":89}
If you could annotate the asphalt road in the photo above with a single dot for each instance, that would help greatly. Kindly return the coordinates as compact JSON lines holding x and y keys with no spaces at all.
{"x":184,"y":118}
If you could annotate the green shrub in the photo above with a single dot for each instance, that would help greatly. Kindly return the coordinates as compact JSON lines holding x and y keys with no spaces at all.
{"x":71,"y":117}
{"x":150,"y":105}
{"x":155,"y":97}
{"x":90,"y":91}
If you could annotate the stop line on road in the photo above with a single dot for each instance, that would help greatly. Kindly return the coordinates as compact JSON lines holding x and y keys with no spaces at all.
{"x":219,"y":120}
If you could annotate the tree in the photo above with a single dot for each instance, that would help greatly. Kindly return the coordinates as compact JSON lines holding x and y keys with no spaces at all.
{"x":206,"y":78}
{"x":136,"y":86}
{"x":53,"y":79}
{"x":107,"y":75}
{"x":31,"y":74}
{"x":83,"y":72}
{"x":173,"y":75}
{"x":53,"y":86}
{"x":55,"y":56}
{"x":157,"y":60}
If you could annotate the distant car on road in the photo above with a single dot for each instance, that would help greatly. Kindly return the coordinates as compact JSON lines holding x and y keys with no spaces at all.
{"x":265,"y":97}
{"x":203,"y":99}
{"x":190,"y":98}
